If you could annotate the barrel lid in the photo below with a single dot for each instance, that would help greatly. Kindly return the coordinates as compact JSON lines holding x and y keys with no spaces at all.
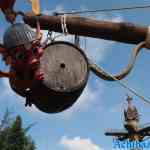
{"x":65,"y":66}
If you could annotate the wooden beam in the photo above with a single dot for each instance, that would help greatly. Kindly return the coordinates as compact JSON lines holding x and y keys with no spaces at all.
{"x":121,"y":32}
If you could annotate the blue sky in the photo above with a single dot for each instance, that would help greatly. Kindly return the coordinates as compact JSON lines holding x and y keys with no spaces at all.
{"x":100,"y":105}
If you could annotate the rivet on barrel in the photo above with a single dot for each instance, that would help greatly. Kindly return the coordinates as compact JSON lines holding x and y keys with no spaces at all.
{"x":62,"y":65}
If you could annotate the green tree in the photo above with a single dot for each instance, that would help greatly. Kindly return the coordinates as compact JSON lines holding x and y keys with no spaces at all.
{"x":13,"y":136}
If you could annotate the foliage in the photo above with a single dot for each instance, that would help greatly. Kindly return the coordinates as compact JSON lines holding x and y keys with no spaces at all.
{"x":13,"y":136}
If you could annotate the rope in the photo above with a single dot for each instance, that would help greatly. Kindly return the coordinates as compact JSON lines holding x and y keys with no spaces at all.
{"x":101,"y":72}
{"x":105,"y":10}
{"x":64,"y":25}
{"x":77,"y":40}
{"x":125,"y":85}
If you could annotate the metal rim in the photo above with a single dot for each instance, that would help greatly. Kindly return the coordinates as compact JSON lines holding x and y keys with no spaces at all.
{"x":85,"y":57}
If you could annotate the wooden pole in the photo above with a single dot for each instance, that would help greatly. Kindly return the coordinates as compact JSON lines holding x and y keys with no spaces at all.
{"x":121,"y":32}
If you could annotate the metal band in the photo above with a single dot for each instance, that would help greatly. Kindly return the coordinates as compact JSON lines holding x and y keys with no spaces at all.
{"x":147,"y":41}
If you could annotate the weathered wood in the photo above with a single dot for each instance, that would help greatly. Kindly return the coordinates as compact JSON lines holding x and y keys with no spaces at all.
{"x":121,"y":32}
{"x":65,"y":70}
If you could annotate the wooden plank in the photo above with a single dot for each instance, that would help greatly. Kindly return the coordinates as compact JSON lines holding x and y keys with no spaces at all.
{"x":121,"y":32}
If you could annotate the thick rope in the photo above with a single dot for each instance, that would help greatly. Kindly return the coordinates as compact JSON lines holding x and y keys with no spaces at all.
{"x":64,"y":24}
{"x":103,"y":74}
{"x":122,"y":83}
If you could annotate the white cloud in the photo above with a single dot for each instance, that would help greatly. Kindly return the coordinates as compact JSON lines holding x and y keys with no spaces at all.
{"x":7,"y":91}
{"x":9,"y":99}
{"x":78,"y":143}
{"x":96,"y":49}
{"x":32,"y":110}
{"x":118,"y":108}
{"x":87,"y":100}
{"x":58,"y":8}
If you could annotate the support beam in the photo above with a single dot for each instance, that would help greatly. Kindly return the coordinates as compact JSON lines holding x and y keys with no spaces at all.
{"x":121,"y":32}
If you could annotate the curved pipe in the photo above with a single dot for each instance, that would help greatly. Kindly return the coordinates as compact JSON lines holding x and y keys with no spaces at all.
{"x":104,"y":75}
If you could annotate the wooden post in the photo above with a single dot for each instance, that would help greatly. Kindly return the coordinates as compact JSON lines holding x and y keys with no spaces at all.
{"x":121,"y":32}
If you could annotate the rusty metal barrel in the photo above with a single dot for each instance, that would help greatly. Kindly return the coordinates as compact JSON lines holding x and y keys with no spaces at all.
{"x":66,"y":71}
